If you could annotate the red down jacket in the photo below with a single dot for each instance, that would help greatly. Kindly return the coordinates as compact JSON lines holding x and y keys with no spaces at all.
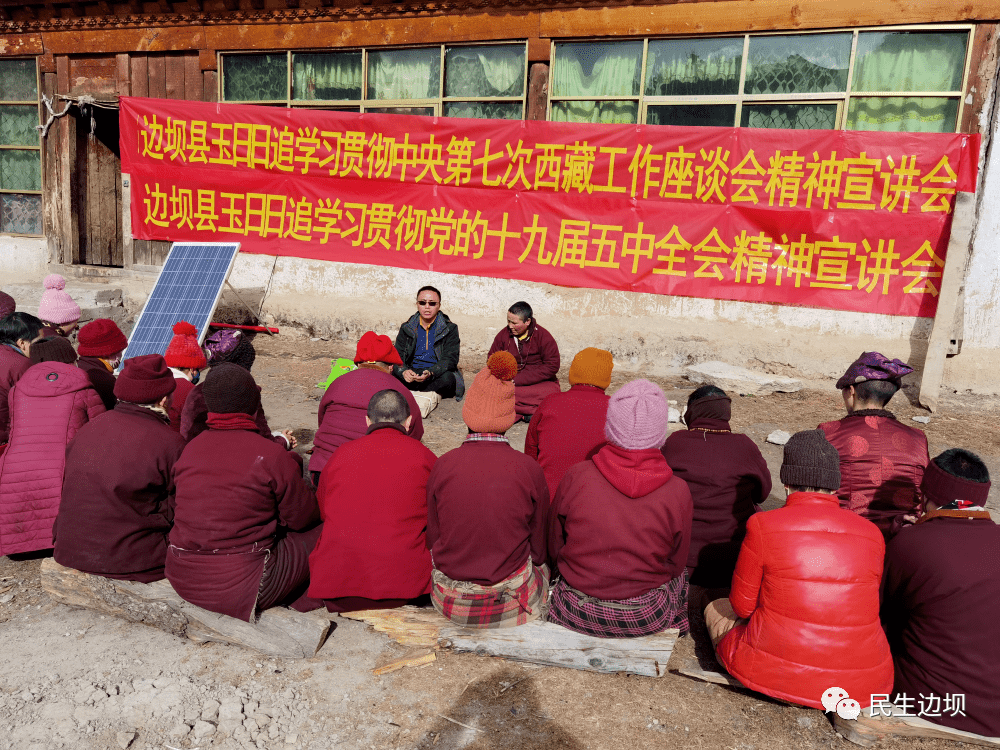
{"x":50,"y":402}
{"x":808,"y":580}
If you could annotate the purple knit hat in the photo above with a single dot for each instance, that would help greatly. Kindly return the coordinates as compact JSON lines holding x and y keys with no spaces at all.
{"x":56,"y":306}
{"x":7,"y":305}
{"x":637,"y":416}
{"x":874,"y":366}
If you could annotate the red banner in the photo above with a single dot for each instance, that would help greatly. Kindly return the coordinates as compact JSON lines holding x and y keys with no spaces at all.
{"x":835,"y":219}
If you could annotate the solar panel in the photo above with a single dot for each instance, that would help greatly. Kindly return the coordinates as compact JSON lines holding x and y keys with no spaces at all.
{"x":188,"y":288}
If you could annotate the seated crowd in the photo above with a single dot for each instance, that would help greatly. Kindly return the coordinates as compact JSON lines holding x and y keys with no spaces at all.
{"x":879,"y":575}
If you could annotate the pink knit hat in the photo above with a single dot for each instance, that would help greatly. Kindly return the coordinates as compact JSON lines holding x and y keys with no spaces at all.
{"x":637,"y":416}
{"x":56,"y":306}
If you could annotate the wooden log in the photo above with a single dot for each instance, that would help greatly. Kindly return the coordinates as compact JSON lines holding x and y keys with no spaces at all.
{"x":536,"y":642}
{"x":413,"y":658}
{"x":869,"y":730}
{"x":278,"y":631}
{"x":691,"y":668}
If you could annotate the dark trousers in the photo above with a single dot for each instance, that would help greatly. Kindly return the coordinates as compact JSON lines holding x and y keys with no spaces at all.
{"x":444,"y":384}
{"x":286,"y":572}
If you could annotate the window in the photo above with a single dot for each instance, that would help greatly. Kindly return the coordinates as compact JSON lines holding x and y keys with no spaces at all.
{"x":20,"y":149}
{"x":899,"y":79}
{"x":484,"y":81}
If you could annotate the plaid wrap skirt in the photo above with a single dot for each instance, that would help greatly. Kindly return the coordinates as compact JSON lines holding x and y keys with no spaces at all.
{"x":515,"y":601}
{"x":657,"y":610}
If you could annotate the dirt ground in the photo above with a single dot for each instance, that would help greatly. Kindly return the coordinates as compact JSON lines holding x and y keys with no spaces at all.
{"x":75,"y":679}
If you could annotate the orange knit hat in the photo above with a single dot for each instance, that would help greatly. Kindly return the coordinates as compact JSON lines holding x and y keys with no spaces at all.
{"x":592,"y":367}
{"x":489,"y":402}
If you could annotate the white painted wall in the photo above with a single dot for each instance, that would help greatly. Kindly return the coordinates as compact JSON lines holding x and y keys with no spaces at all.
{"x":982,"y":285}
{"x":22,"y":260}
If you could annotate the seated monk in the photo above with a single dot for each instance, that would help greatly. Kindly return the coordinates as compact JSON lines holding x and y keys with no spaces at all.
{"x":802,"y":615}
{"x":486,"y":510}
{"x":101,"y":345}
{"x":728,"y":478}
{"x":186,"y":360}
{"x":233,"y":347}
{"x":373,"y":491}
{"x":344,"y":406}
{"x":882,"y":461}
{"x":620,"y":528}
{"x":569,"y":427}
{"x":245,"y":520}
{"x":941,"y":599}
{"x":118,"y":491}
{"x":537,"y":357}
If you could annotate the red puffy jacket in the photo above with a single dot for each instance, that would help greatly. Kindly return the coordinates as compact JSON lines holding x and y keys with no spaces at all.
{"x":50,"y":402}
{"x":808,"y":580}
{"x":882,"y":463}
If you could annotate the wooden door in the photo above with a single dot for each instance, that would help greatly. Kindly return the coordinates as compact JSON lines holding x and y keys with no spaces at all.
{"x":99,"y":193}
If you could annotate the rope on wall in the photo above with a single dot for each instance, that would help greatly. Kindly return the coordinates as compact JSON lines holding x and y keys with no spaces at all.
{"x":84,"y":102}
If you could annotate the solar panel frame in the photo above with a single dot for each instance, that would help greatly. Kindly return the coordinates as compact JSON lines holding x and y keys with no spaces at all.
{"x":162,"y":303}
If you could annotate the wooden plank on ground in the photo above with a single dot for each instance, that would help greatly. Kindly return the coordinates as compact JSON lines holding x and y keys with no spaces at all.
{"x":278,"y":631}
{"x":691,"y":668}
{"x":413,"y":658}
{"x":956,"y":260}
{"x":536,"y":642}
{"x":869,"y":730}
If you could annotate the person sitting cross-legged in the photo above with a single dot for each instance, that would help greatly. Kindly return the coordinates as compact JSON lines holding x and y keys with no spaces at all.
{"x":487,"y":505}
{"x":245,"y":520}
{"x":373,"y":495}
{"x":882,"y":460}
{"x":428,"y":345}
{"x":118,"y":490}
{"x":803,"y":613}
{"x":568,"y":427}
{"x":620,"y":527}
{"x":941,"y":600}
{"x":537,"y":357}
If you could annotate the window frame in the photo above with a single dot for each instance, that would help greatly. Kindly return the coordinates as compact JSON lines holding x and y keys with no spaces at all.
{"x":842,"y":99}
{"x":365,"y":104}
{"x":39,"y":148}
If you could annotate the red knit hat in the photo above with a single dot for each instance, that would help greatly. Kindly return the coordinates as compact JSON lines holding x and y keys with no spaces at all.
{"x":375,"y":348}
{"x":489,"y":402}
{"x":144,"y":380}
{"x":183,"y":350}
{"x":101,"y":338}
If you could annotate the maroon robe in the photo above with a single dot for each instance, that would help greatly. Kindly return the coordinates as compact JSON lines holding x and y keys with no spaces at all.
{"x":13,"y":364}
{"x":537,"y":364}
{"x":118,"y":494}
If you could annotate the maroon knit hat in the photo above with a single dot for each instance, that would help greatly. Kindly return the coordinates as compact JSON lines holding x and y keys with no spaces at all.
{"x":944,"y":489}
{"x":144,"y":380}
{"x":230,"y":389}
{"x":101,"y":338}
{"x":53,"y":349}
{"x":7,"y":305}
{"x":183,"y":350}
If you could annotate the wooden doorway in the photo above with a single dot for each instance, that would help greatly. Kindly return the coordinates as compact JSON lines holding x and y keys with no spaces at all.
{"x":98,"y":199}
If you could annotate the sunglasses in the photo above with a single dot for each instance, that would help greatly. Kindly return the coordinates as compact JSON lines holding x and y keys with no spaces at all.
{"x":430,"y":302}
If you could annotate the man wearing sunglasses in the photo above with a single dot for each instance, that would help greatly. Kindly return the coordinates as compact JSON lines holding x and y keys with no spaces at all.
{"x":429,"y":345}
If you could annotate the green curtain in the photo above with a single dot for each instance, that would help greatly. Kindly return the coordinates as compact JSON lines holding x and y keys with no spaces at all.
{"x":404,"y":74}
{"x":18,"y":80}
{"x":20,"y":214}
{"x":790,"y":116}
{"x":484,"y":71}
{"x":907,"y":62}
{"x":602,"y":112}
{"x":580,"y":71}
{"x":693,"y":67}
{"x":332,"y":77}
{"x":484,"y":110}
{"x":255,"y":78}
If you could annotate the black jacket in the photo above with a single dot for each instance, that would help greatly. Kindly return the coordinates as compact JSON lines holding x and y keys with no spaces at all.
{"x":446,"y":345}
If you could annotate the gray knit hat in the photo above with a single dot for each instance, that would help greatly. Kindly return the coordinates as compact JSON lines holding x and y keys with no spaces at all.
{"x":810,"y":461}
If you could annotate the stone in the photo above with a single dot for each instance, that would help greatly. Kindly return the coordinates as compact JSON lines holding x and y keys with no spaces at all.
{"x":673,"y":415}
{"x":922,"y":420}
{"x":180,"y":729}
{"x":805,"y":721}
{"x":779,"y":437}
{"x":203,"y":729}
{"x":733,"y":379}
{"x":124,"y":739}
{"x":210,"y":710}
{"x":291,"y":739}
{"x":231,"y":711}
